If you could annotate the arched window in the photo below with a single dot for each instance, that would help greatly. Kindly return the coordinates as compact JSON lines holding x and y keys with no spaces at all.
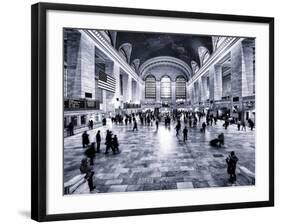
{"x":165,"y":87}
{"x":180,"y":88}
{"x":150,"y":87}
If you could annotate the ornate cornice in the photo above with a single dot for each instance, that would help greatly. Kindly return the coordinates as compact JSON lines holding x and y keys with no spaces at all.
{"x":167,"y":61}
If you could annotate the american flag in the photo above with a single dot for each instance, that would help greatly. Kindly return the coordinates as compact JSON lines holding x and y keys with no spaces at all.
{"x":106,"y":82}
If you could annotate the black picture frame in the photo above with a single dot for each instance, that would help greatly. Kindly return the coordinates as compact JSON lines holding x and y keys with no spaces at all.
{"x":39,"y":114}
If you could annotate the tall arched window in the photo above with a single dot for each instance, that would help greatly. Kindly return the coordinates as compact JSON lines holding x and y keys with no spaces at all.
{"x":180,"y":88}
{"x":165,"y":86}
{"x":150,"y":87}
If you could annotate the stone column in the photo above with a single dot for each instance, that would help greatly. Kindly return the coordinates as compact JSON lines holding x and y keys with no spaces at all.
{"x":191,"y":94}
{"x":87,"y":65}
{"x":78,"y":120}
{"x":248,"y":48}
{"x":204,"y":89}
{"x":158,"y":84}
{"x":173,"y":89}
{"x":104,"y":100}
{"x":116,"y":72}
{"x":68,"y":119}
{"x":134,"y":91}
{"x":212,"y":83}
{"x":73,"y":59}
{"x":187,"y":92}
{"x":200,"y":89}
{"x":237,"y":71}
{"x":142,"y":89}
{"x":138,"y":92}
{"x":129,"y":96}
{"x":218,"y":82}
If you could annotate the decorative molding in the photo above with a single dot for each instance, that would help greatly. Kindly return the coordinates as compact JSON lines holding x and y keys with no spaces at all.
{"x":167,"y":61}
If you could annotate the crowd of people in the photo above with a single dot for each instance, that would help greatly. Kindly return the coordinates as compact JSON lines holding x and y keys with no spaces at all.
{"x":189,"y":119}
{"x":87,"y":163}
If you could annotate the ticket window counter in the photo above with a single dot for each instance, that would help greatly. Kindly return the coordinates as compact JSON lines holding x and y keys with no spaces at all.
{"x":83,"y":120}
{"x":96,"y":118}
{"x":74,"y":121}
{"x":250,"y":115}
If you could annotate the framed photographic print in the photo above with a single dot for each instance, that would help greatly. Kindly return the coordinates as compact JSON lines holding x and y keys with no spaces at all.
{"x":138,"y":111}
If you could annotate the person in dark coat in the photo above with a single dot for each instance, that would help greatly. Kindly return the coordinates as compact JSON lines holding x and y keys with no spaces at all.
{"x":190,"y":122}
{"x":185,"y":131}
{"x":157,"y":124}
{"x":90,"y":152}
{"x":204,"y":127}
{"x":86,"y":169}
{"x":108,"y":141}
{"x":243,"y":126}
{"x":91,"y":124}
{"x":70,"y":129}
{"x":98,"y":141}
{"x":215,"y":120}
{"x":226,"y":124}
{"x":218,"y":142}
{"x":115,"y":144}
{"x":231,"y":161}
{"x":251,"y":124}
{"x":135,"y":127}
{"x":85,"y":139}
{"x":178,"y":127}
{"x":126,"y":120}
{"x":221,"y":139}
{"x":104,"y":121}
{"x":238,"y":125}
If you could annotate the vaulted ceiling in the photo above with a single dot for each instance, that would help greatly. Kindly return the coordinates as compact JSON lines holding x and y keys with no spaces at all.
{"x":148,"y":45}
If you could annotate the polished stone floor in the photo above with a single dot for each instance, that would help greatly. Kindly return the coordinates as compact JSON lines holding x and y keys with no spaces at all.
{"x":158,"y":160}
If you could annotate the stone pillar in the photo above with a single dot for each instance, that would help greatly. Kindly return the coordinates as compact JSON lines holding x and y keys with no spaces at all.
{"x":73,"y":59}
{"x":195,"y":92}
{"x":200,"y":89}
{"x":117,"y":97}
{"x":138,"y":92}
{"x":129,"y":96}
{"x":68,"y":119}
{"x":142,"y":89}
{"x":191,"y":94}
{"x":218,"y":82}
{"x":187,"y":92}
{"x":237,"y":71}
{"x":173,"y":89}
{"x":204,"y":89}
{"x":87,"y":65}
{"x":134,"y":91}
{"x":212,"y":83}
{"x":248,"y":48}
{"x":116,"y":72}
{"x":78,"y":120}
{"x":158,"y":90}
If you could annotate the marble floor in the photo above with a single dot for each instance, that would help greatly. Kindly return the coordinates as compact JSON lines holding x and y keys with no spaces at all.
{"x":158,"y":160}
